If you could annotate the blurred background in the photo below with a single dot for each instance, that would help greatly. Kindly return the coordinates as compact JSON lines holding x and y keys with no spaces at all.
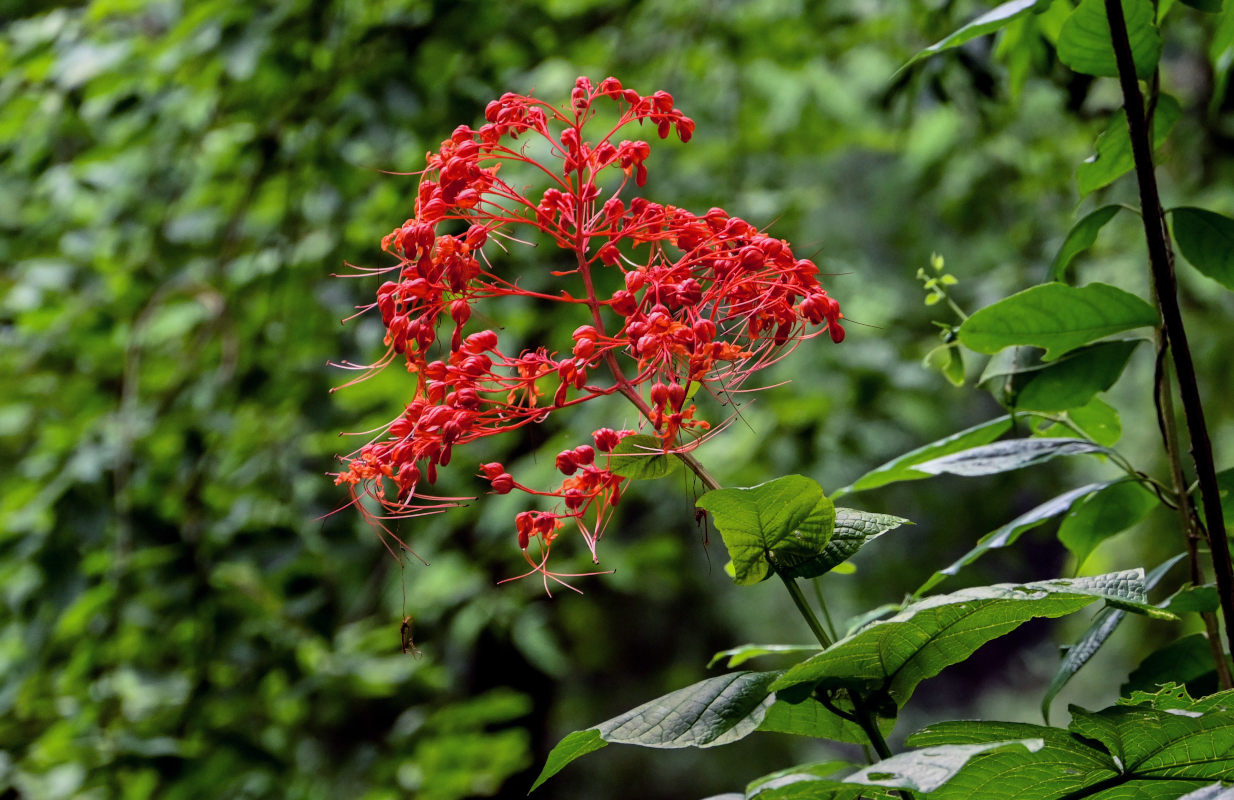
{"x":182,"y":616}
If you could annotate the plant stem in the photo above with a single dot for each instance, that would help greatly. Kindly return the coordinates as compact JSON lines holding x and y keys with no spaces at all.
{"x":1161,"y":264}
{"x":811,"y":619}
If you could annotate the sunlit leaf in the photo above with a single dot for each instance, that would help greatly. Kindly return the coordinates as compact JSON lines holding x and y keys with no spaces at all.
{"x":779,"y":526}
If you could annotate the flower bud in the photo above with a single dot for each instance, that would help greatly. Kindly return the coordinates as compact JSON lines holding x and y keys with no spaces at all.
{"x":567,"y":463}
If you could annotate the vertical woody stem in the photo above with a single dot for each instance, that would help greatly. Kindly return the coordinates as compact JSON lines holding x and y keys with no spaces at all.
{"x":1161,"y":264}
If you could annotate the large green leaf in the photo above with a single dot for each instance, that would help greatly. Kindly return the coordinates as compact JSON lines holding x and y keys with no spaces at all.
{"x":1103,"y":625}
{"x":1206,"y":238}
{"x":1114,"y":158}
{"x":988,"y":22}
{"x":1155,"y":747}
{"x":642,"y":458}
{"x":896,"y":654}
{"x":779,"y":526}
{"x":1112,"y":510}
{"x":1019,"y":379}
{"x":1081,"y":237}
{"x":709,"y":713}
{"x":1055,"y":317}
{"x":1009,"y":533}
{"x":1085,"y":44}
{"x":903,"y":468}
{"x":1007,"y":455}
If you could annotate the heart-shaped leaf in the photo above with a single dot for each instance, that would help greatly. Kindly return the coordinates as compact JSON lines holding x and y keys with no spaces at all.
{"x":779,"y":526}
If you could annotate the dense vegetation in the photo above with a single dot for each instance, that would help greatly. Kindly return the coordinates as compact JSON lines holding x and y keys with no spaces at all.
{"x":183,"y":616}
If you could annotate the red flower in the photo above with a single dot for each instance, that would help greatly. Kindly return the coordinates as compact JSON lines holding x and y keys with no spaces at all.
{"x":707,"y":301}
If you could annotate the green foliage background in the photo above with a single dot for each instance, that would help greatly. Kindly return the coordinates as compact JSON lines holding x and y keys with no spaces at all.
{"x":181,"y":614}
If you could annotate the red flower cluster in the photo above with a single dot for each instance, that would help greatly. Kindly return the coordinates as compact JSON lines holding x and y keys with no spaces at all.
{"x":706,"y":300}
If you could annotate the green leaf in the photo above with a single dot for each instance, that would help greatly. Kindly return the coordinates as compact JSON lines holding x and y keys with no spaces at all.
{"x":1008,"y":455}
{"x":779,"y":526}
{"x":903,"y":468}
{"x":929,"y":768}
{"x":709,"y":713}
{"x":1081,"y":237}
{"x":853,"y":530}
{"x":1024,"y":382}
{"x":896,"y":654}
{"x":1193,"y":599}
{"x":1055,"y":317}
{"x":1187,"y":660}
{"x":642,"y":458}
{"x":1009,"y":533}
{"x":573,"y":746}
{"x":988,"y":22}
{"x":1085,"y":44}
{"x":1104,"y":624}
{"x":806,"y":782}
{"x":1112,"y":510}
{"x":1097,"y":419}
{"x":1114,"y":158}
{"x":811,"y":718}
{"x":1159,"y":749}
{"x":1206,"y":238}
{"x":1214,"y":791}
{"x":740,"y":655}
{"x":1209,"y":6}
